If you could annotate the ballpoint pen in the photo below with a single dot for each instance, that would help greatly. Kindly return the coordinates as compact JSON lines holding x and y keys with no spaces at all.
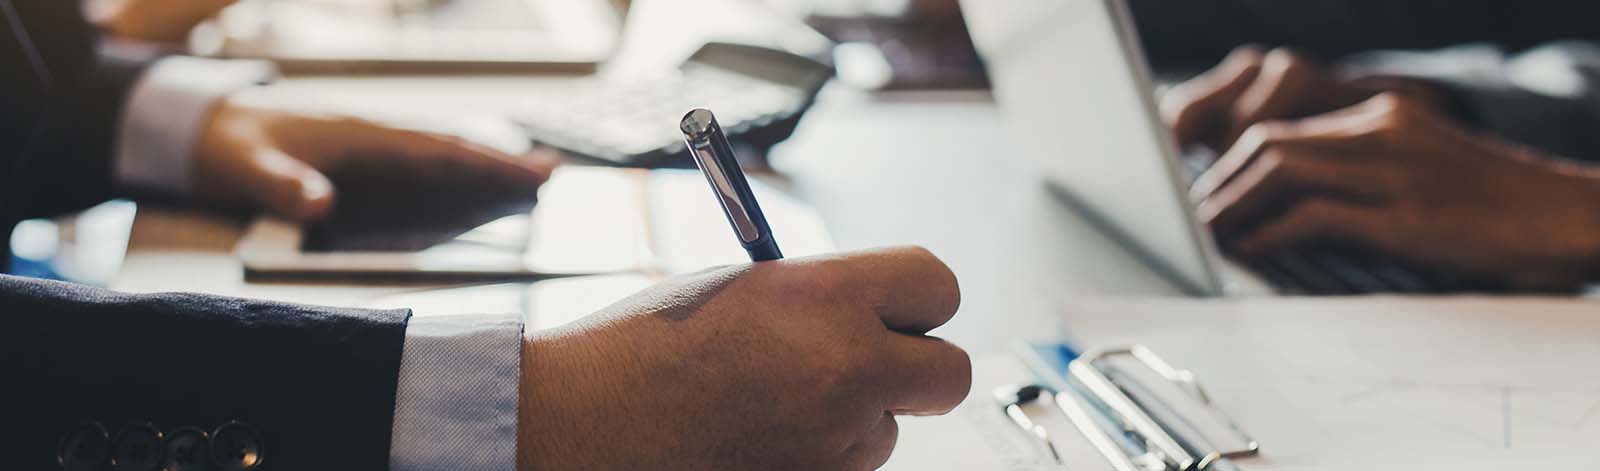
{"x":715,"y":158}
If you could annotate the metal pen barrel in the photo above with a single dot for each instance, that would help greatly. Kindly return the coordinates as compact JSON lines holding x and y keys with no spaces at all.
{"x":712,"y":153}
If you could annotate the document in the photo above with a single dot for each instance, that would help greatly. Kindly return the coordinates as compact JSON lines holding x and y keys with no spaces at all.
{"x":1326,"y":384}
{"x":1384,"y":383}
{"x":976,"y":435}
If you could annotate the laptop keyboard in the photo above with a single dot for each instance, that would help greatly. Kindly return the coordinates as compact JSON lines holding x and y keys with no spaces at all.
{"x":1343,"y":271}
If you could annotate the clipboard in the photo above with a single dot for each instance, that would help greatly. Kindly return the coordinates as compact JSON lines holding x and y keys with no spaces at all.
{"x":1382,"y":383}
{"x":1135,"y":410}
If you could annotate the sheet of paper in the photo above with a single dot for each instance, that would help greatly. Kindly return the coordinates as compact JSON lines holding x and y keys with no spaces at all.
{"x":1383,"y":383}
{"x":976,"y":435}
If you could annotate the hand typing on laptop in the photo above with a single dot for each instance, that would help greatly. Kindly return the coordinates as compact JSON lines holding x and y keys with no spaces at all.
{"x":1311,"y":157}
{"x":1251,"y":86}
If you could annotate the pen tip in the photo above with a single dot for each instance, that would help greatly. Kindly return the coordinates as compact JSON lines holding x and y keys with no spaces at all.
{"x":697,"y":122}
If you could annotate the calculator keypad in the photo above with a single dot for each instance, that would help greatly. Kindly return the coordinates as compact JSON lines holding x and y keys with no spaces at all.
{"x":621,"y":120}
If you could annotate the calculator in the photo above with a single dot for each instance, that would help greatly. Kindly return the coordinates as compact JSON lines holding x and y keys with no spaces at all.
{"x":759,"y":95}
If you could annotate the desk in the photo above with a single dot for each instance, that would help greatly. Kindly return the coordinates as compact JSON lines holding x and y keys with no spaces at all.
{"x":881,"y":172}
{"x":927,"y":170}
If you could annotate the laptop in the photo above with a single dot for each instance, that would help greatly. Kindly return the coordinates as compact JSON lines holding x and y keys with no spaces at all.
{"x":1072,"y":83}
{"x":417,"y":36}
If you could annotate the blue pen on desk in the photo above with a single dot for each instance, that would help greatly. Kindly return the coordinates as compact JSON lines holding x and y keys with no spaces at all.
{"x":716,"y":160}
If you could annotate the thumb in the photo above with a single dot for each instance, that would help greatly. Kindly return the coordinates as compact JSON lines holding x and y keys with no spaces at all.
{"x":287,"y":187}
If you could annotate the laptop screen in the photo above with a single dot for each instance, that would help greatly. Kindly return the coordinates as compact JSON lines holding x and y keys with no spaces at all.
{"x":1073,"y":88}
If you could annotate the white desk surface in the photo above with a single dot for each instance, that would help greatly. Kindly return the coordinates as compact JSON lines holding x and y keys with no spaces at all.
{"x":881,"y":173}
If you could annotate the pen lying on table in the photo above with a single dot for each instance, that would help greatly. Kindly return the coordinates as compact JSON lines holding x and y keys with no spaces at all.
{"x":716,"y":160}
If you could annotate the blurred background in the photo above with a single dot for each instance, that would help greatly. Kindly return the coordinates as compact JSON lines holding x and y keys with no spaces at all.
{"x":601,"y":79}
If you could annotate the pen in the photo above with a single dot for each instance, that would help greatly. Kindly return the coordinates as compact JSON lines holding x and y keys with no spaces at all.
{"x":716,"y":160}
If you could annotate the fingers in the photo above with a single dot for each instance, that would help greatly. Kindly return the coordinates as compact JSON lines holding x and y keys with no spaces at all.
{"x":926,"y":375}
{"x":1354,"y":130}
{"x":287,"y":187}
{"x":1196,"y":110}
{"x":1287,"y":86}
{"x":874,"y":449}
{"x":1286,"y":173}
{"x":912,"y":290}
{"x":373,"y":146}
{"x":1317,"y":219}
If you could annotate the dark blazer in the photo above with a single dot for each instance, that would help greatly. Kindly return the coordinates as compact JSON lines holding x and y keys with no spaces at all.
{"x":93,"y":376}
{"x":90,"y":372}
{"x":59,"y":104}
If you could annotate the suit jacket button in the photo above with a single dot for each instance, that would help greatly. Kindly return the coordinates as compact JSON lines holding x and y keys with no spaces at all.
{"x":236,"y":446}
{"x":85,"y":447}
{"x":188,"y":449}
{"x":137,"y":448}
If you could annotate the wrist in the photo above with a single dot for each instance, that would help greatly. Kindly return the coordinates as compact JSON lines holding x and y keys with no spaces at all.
{"x":559,"y":377}
{"x":1574,"y":197}
{"x":1587,"y":229}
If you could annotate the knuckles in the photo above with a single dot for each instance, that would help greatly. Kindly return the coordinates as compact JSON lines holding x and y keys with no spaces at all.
{"x":1289,"y":64}
{"x":1275,"y":162}
{"x":961,"y":368}
{"x":1394,"y":115}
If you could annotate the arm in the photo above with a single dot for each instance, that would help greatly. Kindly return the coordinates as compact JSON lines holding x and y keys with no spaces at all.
{"x":1547,"y":97}
{"x":57,"y":147}
{"x":160,"y":20}
{"x":1407,"y":156}
{"x":796,"y":364}
{"x":97,"y":125}
{"x":317,"y":384}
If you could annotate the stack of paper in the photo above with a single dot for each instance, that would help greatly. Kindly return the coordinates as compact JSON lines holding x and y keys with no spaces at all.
{"x":1379,"y":383}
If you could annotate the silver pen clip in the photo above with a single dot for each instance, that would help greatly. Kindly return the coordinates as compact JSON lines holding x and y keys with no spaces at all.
{"x":702,"y":131}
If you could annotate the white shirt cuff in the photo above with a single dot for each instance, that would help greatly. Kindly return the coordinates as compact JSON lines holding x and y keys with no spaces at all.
{"x":165,"y":113}
{"x":456,"y":404}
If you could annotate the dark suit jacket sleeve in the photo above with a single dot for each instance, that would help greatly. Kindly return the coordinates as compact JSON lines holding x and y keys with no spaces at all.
{"x":1197,"y":33}
{"x":61,"y":118}
{"x":317,"y":383}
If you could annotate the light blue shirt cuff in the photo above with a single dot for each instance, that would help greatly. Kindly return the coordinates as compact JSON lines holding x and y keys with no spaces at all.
{"x":456,"y":404}
{"x":165,"y":112}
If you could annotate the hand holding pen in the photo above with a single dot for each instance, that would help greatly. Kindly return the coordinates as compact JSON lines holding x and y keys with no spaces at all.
{"x":840,"y":342}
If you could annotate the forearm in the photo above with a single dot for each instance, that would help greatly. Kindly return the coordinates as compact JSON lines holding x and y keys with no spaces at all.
{"x":164,"y":21}
{"x":66,"y":162}
{"x":1542,"y":98}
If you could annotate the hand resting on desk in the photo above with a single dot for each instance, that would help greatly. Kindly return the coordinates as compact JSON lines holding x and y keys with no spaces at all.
{"x":280,"y":160}
{"x":794,"y":364}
